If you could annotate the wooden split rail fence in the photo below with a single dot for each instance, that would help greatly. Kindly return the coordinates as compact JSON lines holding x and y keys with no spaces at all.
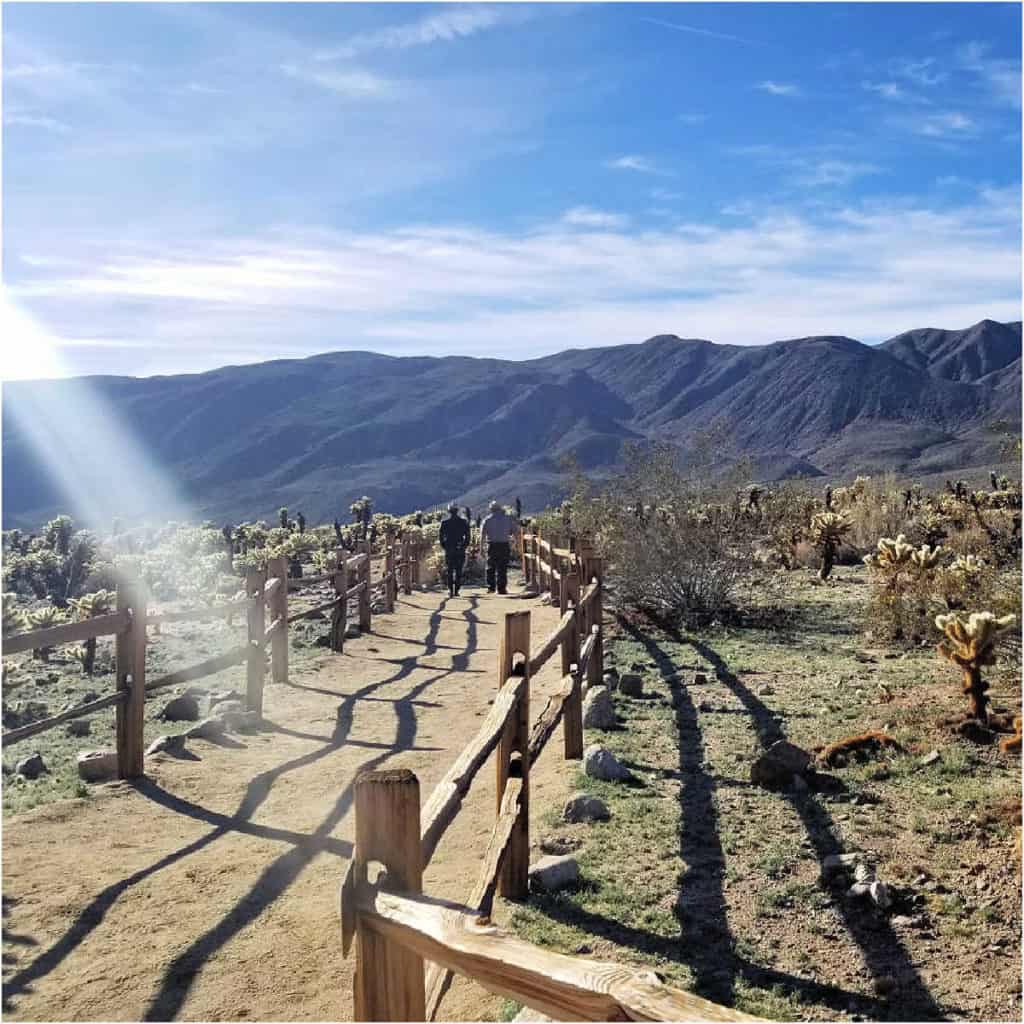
{"x":397,"y":929}
{"x":266,"y":595}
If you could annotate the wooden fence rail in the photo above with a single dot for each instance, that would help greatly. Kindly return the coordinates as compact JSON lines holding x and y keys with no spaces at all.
{"x":267,"y":594}
{"x":396,"y":928}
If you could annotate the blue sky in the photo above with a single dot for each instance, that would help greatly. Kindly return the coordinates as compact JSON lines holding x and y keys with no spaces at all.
{"x":190,"y":185}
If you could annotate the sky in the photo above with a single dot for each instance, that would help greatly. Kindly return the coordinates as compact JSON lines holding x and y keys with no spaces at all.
{"x":192,"y":185}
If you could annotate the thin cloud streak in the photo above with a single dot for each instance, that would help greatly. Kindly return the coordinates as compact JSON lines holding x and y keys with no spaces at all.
{"x":778,"y":88}
{"x":693,"y":30}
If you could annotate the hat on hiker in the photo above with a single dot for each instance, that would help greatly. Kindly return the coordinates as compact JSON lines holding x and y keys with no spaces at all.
{"x":452,"y":507}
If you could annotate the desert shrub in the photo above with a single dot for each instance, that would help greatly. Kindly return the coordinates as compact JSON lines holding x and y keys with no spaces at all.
{"x":672,"y":551}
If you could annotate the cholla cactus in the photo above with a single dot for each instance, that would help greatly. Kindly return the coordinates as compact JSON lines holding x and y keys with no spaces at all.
{"x":45,"y":618}
{"x":86,"y":607}
{"x":970,"y":643}
{"x":926,"y":557}
{"x":967,"y":565}
{"x":827,"y":532}
{"x":14,"y":617}
{"x":891,"y":555}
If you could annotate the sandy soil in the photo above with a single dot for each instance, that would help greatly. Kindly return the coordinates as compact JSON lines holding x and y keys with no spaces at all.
{"x":209,"y":891}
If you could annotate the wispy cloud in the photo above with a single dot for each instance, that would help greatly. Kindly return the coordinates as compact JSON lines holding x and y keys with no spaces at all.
{"x":948,"y":124}
{"x":922,"y":72}
{"x":694,"y":30}
{"x":873,"y":268}
{"x":456,"y":22}
{"x":352,"y":83}
{"x":778,"y":88}
{"x":894,"y":91}
{"x":834,"y":172}
{"x":588,"y":217}
{"x":634,"y":163}
{"x":48,"y":124}
{"x":692,"y":118}
{"x":1002,"y":78}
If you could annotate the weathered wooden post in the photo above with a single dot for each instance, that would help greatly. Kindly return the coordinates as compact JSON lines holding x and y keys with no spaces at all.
{"x":389,"y":978}
{"x":527,"y":568}
{"x":406,"y":566}
{"x":130,"y":655}
{"x":514,"y":755}
{"x":597,"y":571}
{"x":339,"y":613}
{"x":277,"y":568}
{"x":256,"y":621}
{"x":365,"y":615}
{"x":390,"y":587}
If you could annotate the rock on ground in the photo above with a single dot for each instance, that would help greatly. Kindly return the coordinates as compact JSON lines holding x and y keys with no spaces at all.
{"x":559,"y":845}
{"x":598,"y":712}
{"x":79,"y":727}
{"x":166,"y":743}
{"x":584,"y":807}
{"x":31,"y":767}
{"x":611,"y":679}
{"x":553,"y":873}
{"x":180,"y":709}
{"x":601,"y":763}
{"x":227,"y":707}
{"x":97,"y":765}
{"x":207,"y":729}
{"x":239,"y":721}
{"x":776,"y":767}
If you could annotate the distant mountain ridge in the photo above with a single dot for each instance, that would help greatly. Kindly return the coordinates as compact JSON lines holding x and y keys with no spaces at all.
{"x":316,"y":433}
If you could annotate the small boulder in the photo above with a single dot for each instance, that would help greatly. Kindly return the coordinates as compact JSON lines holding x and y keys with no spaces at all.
{"x":559,"y":845}
{"x":352,"y":631}
{"x":584,"y":807}
{"x":32,"y":766}
{"x":775,"y":768}
{"x":836,"y":863}
{"x":166,"y":743}
{"x":227,"y":707}
{"x":180,"y":709}
{"x":97,"y":765}
{"x":611,"y":679}
{"x":207,"y":729}
{"x":79,"y":727}
{"x":933,"y":758}
{"x":631,"y":685}
{"x":598,"y":712}
{"x":240,"y":721}
{"x":700,"y":679}
{"x":554,"y":873}
{"x":601,"y":763}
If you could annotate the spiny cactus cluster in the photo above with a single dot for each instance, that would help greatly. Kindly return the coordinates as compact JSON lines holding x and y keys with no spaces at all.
{"x":892,"y":554}
{"x":969,"y":643}
{"x":99,"y":602}
{"x":827,"y":532}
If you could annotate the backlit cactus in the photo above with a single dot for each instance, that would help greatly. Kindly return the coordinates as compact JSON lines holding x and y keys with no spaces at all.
{"x":969,"y":643}
{"x":86,"y":607}
{"x":827,"y":532}
{"x":925,"y":557}
{"x":891,"y":555}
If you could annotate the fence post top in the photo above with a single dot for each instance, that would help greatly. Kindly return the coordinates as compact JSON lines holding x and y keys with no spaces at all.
{"x":387,"y":777}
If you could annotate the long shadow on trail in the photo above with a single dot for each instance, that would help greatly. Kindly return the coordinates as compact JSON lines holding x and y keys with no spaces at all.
{"x":276,"y":878}
{"x":285,"y":868}
{"x":702,"y":906}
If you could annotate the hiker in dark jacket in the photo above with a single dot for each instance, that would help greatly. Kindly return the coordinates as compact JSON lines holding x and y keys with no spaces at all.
{"x":454,"y":541}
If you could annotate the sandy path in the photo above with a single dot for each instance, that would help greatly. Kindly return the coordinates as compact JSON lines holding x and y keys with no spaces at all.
{"x":209,"y":892}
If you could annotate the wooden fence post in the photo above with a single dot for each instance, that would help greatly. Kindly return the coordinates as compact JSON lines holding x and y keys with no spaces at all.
{"x":339,"y":613}
{"x":406,"y":566}
{"x":527,"y":568}
{"x":389,"y":978}
{"x":365,"y":613}
{"x":389,"y":571}
{"x":256,"y":620}
{"x":597,"y":570}
{"x":131,"y":676}
{"x":514,"y":755}
{"x":277,"y":568}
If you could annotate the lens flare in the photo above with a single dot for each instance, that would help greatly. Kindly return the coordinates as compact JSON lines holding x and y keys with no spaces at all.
{"x":64,"y":447}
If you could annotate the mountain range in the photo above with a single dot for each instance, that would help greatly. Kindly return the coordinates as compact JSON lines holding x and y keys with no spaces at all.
{"x":316,"y":433}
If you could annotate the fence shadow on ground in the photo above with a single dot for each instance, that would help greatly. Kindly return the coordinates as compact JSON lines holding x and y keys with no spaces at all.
{"x":275,"y":879}
{"x":707,"y":944}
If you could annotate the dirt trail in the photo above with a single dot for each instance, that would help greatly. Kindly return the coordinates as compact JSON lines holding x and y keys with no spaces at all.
{"x":209,"y":891}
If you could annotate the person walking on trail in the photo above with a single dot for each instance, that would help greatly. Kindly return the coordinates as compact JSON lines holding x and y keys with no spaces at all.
{"x":497,"y":530}
{"x":454,"y":541}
